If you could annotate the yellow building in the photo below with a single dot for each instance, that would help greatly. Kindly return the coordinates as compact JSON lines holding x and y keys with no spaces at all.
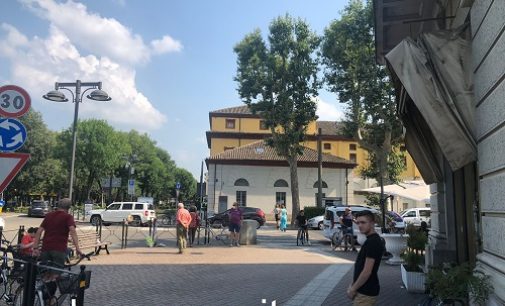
{"x":235,"y":127}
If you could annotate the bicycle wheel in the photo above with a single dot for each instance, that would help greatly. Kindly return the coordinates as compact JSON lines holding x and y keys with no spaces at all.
{"x":299,"y":237}
{"x":3,"y":285}
{"x":166,"y":220}
{"x":336,"y":239}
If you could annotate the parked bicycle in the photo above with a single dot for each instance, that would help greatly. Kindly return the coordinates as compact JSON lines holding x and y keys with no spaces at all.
{"x":68,"y":285}
{"x":10,"y":276}
{"x":220,"y":234}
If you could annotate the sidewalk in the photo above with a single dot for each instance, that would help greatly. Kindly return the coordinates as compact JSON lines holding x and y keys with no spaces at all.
{"x":273,"y":270}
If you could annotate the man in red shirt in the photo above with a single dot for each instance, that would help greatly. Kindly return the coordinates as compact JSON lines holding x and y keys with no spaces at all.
{"x":183,"y":220}
{"x":57,"y":225}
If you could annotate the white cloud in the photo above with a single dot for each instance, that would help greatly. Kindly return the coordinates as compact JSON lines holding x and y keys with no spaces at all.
{"x":39,"y":62}
{"x":165,"y":44}
{"x":327,"y":111}
{"x":99,"y":35}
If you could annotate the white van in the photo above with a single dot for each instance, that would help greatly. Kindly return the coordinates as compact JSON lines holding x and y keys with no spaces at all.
{"x":333,"y":214}
{"x":416,"y":215}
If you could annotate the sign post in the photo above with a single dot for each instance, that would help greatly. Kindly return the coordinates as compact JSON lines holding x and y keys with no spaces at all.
{"x":177,"y":190}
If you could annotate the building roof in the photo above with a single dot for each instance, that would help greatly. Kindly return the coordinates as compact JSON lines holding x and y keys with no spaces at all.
{"x":330,"y":127}
{"x":243,"y":109}
{"x":258,"y":153}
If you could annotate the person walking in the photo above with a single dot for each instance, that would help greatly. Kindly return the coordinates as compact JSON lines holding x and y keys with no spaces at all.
{"x":365,"y":286}
{"x":234,"y":226}
{"x":193,"y":226}
{"x":284,"y":218}
{"x":183,"y":220}
{"x":57,"y":226}
{"x":277,"y":212}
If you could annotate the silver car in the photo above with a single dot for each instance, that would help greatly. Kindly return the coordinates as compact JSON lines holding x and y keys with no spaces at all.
{"x":316,"y":222}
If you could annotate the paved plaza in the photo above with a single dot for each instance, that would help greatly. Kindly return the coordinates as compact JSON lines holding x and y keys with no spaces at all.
{"x":273,"y":270}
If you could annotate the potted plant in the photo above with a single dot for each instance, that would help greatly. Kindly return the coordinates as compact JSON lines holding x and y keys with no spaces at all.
{"x":452,"y":283}
{"x":413,"y":276}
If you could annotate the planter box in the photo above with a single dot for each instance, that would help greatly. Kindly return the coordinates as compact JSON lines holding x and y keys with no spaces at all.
{"x":413,"y":281}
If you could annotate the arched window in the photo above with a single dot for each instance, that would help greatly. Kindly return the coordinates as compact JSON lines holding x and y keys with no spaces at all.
{"x":241,"y":182}
{"x":281,"y":183}
{"x":323,"y":183}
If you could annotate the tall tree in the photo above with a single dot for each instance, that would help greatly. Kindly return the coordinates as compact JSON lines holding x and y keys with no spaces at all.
{"x":348,"y":52}
{"x":279,"y":81}
{"x":100,"y":150}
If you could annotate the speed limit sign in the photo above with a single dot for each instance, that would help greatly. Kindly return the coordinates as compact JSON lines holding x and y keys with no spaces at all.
{"x":14,"y":101}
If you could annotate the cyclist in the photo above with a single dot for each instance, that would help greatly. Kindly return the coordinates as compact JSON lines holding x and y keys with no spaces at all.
{"x":346,"y":222}
{"x":301,"y":220}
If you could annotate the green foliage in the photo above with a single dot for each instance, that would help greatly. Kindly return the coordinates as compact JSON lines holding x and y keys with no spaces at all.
{"x":348,"y":52}
{"x":451,"y":281}
{"x":313,"y":211}
{"x":395,"y":166}
{"x":101,"y":152}
{"x":279,"y":82}
{"x":416,"y":243}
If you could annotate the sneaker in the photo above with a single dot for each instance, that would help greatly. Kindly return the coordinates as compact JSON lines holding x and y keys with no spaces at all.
{"x":238,"y":244}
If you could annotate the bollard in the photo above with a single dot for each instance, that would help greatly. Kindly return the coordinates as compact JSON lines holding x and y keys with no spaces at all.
{"x":21,"y":232}
{"x":82,"y":287}
{"x":29,"y":283}
{"x":150,"y":227}
{"x":126,"y":235}
{"x":122,"y":233}
{"x":154,"y":230}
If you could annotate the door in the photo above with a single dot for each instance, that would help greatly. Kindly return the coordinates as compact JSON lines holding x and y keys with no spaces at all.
{"x":126,"y":210}
{"x":223,"y":204}
{"x":109,"y":215}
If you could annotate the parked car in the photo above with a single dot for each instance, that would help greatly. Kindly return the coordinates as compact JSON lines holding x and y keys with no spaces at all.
{"x":316,"y":222}
{"x":416,"y":215}
{"x":249,"y":213}
{"x":39,"y":208}
{"x":141,"y":213}
{"x":397,"y":222}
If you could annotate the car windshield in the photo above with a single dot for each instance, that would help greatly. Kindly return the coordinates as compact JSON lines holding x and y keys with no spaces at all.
{"x":38,"y":204}
{"x":395,"y":216}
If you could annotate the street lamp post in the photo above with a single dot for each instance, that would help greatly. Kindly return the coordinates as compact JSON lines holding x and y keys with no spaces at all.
{"x":57,"y":96}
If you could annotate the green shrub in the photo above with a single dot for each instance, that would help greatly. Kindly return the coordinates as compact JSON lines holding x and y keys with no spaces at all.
{"x":313,"y":211}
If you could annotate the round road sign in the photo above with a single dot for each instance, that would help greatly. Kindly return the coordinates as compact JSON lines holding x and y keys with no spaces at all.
{"x":14,"y":101}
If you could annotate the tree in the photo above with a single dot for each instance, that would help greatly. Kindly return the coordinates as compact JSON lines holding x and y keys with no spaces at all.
{"x":348,"y":52}
{"x":99,"y":151}
{"x":42,"y":174}
{"x":279,"y":81}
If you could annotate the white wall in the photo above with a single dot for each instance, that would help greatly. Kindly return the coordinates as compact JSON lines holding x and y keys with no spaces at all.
{"x":261,"y":192}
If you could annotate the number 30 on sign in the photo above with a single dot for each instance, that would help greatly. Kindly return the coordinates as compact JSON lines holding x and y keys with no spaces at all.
{"x":14,"y":101}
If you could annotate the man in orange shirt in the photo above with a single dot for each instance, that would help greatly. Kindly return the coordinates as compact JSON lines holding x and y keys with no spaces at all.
{"x":183,"y":220}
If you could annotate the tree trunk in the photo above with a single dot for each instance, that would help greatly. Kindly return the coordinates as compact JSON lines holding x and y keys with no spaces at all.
{"x":295,"y":196}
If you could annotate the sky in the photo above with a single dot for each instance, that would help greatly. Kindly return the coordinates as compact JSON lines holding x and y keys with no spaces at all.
{"x":166,"y":64}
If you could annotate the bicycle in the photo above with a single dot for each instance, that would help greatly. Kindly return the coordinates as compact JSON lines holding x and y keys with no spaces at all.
{"x":67,"y":283}
{"x":343,"y":239}
{"x":302,"y":237}
{"x":223,"y":236}
{"x":8,"y":275}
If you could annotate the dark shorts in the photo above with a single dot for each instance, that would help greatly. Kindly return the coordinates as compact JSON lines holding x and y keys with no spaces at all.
{"x":53,"y":259}
{"x":234,"y":227}
{"x":277,"y":217}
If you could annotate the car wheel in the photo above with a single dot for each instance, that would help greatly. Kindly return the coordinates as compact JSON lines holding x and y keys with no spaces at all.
{"x":320,"y":225}
{"x":95,"y":220}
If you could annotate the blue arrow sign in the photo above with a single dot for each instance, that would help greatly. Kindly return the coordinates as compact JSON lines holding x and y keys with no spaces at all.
{"x":178,"y":186}
{"x":12,"y":134}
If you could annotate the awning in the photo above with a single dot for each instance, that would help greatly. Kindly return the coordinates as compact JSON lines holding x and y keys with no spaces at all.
{"x":413,"y":191}
{"x":432,"y":77}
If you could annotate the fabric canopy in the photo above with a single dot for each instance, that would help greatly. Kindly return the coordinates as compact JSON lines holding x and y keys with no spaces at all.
{"x":432,"y":73}
{"x":417,"y":191}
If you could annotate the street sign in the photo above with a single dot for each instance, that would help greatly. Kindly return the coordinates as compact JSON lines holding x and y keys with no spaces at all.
{"x":116,"y":182}
{"x":10,"y":164}
{"x":177,"y":185}
{"x":14,"y":101}
{"x":131,"y":187}
{"x":12,"y":134}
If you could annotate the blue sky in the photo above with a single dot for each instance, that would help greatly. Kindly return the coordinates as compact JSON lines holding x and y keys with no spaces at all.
{"x":166,"y":64}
